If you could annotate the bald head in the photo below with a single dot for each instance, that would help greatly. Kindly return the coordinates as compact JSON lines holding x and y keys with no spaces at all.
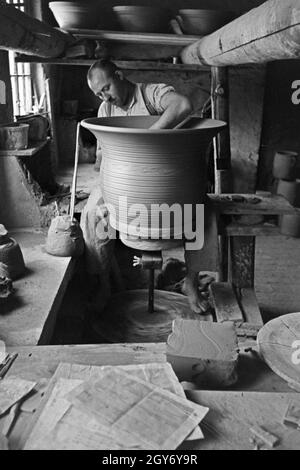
{"x":101,"y":66}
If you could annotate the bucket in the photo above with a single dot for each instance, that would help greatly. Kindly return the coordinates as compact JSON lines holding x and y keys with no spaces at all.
{"x":14,"y":136}
{"x":285,"y":165}
{"x":145,"y":171}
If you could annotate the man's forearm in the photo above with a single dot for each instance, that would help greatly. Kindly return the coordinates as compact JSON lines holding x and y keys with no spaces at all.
{"x":173,"y":115}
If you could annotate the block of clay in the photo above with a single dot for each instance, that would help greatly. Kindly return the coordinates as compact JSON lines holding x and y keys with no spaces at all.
{"x":203,"y":352}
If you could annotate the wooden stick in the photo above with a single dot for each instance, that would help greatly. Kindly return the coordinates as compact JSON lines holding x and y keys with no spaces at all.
{"x":73,"y":190}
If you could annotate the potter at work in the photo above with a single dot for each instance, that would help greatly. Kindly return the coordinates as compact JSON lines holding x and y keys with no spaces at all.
{"x":122,"y":97}
{"x":149,"y":227}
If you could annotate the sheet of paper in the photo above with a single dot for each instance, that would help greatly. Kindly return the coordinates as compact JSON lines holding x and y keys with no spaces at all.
{"x":12,"y":390}
{"x":71,"y":429}
{"x":156,"y":418}
{"x":159,"y":374}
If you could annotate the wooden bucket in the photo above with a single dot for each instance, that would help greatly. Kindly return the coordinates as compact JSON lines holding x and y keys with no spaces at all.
{"x":141,"y":166}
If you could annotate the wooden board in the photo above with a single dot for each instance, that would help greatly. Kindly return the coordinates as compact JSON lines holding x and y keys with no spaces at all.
{"x":32,"y":149}
{"x":136,"y":38}
{"x":225,"y":303}
{"x":126,"y":318}
{"x":279,"y":345}
{"x":232,"y":414}
{"x":249,"y":305}
{"x":270,"y":205}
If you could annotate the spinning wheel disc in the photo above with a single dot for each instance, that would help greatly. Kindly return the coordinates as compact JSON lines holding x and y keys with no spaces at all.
{"x":126,"y":317}
{"x":278,"y":342}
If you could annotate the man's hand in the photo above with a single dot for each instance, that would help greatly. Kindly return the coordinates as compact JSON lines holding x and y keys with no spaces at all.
{"x":176,"y":108}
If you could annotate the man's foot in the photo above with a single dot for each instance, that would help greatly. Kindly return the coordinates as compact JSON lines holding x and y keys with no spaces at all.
{"x":197,"y":303}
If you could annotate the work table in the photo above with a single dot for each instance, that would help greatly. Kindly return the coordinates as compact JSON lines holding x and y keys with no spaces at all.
{"x":256,"y":382}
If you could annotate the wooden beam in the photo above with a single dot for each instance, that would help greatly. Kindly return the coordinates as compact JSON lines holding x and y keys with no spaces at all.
{"x":122,"y":64}
{"x":266,"y":33}
{"x":22,"y":33}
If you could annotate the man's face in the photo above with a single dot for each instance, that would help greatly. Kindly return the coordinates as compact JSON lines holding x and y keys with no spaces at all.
{"x":110,"y":88}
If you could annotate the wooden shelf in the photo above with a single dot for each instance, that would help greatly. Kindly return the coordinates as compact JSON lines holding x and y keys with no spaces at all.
{"x":33,"y":148}
{"x":122,"y":64}
{"x":121,"y":44}
{"x":136,"y":38}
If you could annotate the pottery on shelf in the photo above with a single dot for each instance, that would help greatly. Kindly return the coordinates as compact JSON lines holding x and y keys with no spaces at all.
{"x":81,"y":14}
{"x":285,"y":165}
{"x":203,"y":22}
{"x":152,"y":167}
{"x":11,"y":255}
{"x":142,"y":19}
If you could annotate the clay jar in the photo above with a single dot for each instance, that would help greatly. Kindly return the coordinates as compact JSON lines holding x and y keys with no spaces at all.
{"x":14,"y":136}
{"x":65,"y":237}
{"x":11,"y":255}
{"x":285,"y":165}
{"x":290,"y":225}
{"x":290,"y":190}
{"x":151,"y":167}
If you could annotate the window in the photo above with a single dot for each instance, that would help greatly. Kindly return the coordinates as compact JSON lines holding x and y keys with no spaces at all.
{"x":20,"y":74}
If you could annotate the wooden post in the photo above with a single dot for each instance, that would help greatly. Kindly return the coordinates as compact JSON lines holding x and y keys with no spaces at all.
{"x":22,"y":33}
{"x":242,"y":261}
{"x":266,"y":33}
{"x":222,"y":160}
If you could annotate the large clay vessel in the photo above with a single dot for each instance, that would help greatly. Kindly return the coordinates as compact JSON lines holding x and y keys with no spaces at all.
{"x":151,"y":167}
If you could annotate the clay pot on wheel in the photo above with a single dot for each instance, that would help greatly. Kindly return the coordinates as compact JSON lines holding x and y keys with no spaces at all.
{"x":144,"y":168}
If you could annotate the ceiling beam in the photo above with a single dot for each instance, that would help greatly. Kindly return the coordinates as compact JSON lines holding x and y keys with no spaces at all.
{"x":266,"y":33}
{"x":22,"y":33}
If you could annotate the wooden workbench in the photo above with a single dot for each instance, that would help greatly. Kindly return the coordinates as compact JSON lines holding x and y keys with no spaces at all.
{"x":256,"y":382}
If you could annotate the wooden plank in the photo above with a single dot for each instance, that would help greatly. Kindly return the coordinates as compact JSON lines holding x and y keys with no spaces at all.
{"x":225,"y":302}
{"x":239,"y":204}
{"x":122,"y":64}
{"x":249,"y":305}
{"x":220,"y":110}
{"x":22,"y":33}
{"x":136,"y":38}
{"x":242,"y":251}
{"x":28,"y":316}
{"x":240,"y":230}
{"x":33,"y":148}
{"x":266,"y":33}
